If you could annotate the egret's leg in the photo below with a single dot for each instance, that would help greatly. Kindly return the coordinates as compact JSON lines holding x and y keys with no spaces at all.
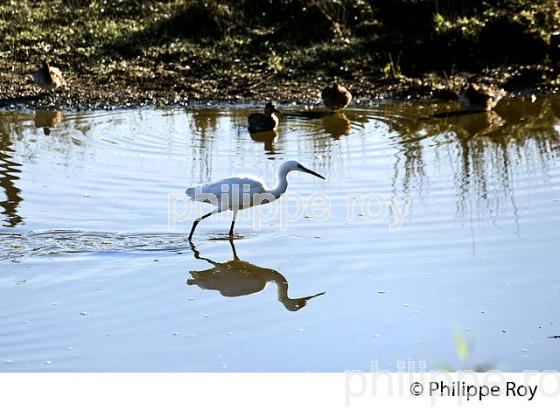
{"x":196,"y":221}
{"x":235,"y":257}
{"x":232,"y":224}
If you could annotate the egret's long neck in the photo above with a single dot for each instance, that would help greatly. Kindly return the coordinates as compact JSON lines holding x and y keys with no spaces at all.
{"x":281,"y":183}
{"x":281,"y":285}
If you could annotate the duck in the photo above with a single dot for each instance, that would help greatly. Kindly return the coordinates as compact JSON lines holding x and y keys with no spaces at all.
{"x":48,"y":76}
{"x":261,"y":122}
{"x":336,"y":97}
{"x":480,"y":98}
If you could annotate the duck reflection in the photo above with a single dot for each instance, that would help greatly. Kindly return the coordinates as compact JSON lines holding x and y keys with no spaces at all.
{"x":239,"y":278}
{"x":337,"y":124}
{"x":267,"y":137}
{"x":479,"y":124}
{"x":486,"y":150}
{"x":472,"y":123}
{"x":47,"y":120}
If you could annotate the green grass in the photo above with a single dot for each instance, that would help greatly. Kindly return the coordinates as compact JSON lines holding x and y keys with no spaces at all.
{"x":189,"y":45}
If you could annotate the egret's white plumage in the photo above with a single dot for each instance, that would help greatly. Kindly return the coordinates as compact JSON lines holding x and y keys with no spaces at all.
{"x":243,"y":191}
{"x":212,"y":192}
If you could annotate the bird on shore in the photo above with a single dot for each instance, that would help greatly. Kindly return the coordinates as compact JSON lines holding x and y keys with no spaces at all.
{"x":261,"y":122}
{"x":478,"y":98}
{"x":244,"y":191}
{"x":48,"y":76}
{"x":336,"y":97}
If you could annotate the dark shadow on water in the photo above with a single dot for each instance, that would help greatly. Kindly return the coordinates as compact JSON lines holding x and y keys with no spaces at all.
{"x":307,"y":115}
{"x":8,"y":178}
{"x":240,"y":278}
{"x":451,"y":114}
{"x":337,"y":125}
{"x":268,"y":138}
{"x":47,"y":120}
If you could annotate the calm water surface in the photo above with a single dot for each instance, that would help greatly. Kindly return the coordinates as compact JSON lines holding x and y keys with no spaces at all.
{"x":92,"y":277}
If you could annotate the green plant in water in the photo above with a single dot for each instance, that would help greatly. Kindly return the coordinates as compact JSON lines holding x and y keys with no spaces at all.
{"x":464,"y":347}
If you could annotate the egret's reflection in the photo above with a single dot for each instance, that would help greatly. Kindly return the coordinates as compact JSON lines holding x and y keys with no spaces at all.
{"x":267,"y":137}
{"x":47,"y":120}
{"x":238,"y":278}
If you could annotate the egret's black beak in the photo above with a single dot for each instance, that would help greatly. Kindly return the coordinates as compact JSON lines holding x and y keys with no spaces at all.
{"x":312,"y":172}
{"x":276,"y":111}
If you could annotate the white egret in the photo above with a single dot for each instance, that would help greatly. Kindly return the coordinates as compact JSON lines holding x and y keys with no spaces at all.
{"x":244,"y":191}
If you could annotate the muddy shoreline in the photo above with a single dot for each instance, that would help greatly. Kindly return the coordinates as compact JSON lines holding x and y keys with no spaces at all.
{"x":80,"y":96}
{"x":161,"y":53}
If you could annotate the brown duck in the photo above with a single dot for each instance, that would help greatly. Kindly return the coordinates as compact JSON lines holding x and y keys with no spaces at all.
{"x":259,"y":122}
{"x":336,"y":97}
{"x":480,"y":98}
{"x":48,"y":76}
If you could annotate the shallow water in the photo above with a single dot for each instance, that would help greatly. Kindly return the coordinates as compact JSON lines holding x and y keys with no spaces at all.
{"x":93,"y":277}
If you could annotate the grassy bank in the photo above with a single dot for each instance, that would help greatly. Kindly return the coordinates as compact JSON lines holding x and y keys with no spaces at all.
{"x":115,"y":53}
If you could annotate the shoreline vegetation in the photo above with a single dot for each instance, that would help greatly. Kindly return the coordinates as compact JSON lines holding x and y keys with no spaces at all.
{"x":133,"y":53}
